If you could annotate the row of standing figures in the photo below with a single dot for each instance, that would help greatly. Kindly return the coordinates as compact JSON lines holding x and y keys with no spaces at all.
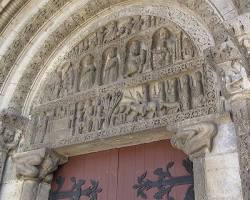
{"x":70,"y":78}
{"x":171,"y":99}
{"x":173,"y":96}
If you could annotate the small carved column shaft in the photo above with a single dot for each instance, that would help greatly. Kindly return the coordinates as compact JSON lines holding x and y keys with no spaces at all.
{"x":196,"y":141}
{"x":3,"y":157}
{"x":36,"y":169}
{"x":241,"y":116}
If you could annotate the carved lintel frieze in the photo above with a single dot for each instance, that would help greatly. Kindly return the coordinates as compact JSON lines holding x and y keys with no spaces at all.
{"x":37,"y":165}
{"x":195,"y":140}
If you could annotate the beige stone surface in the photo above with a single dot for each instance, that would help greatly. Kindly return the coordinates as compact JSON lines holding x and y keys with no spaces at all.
{"x":197,"y":52}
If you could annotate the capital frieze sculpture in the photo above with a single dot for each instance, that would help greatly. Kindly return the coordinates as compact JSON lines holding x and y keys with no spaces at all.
{"x":195,"y":140}
{"x":37,"y":165}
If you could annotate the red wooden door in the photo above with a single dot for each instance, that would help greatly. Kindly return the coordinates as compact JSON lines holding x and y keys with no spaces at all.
{"x":115,"y":174}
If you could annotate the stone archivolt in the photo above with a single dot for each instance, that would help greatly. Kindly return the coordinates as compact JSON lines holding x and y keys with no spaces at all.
{"x":135,"y":71}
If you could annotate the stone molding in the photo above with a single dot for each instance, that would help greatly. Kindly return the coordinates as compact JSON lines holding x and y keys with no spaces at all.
{"x":195,"y":140}
{"x":37,"y":165}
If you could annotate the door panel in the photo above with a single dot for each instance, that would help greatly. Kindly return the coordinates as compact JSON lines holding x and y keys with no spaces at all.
{"x":117,"y":171}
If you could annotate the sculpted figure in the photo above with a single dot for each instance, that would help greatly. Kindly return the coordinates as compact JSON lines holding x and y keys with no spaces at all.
{"x":99,"y":118}
{"x":197,"y":90}
{"x":119,"y":115}
{"x":100,"y":35}
{"x":136,"y":58}
{"x":184,"y":92}
{"x":80,"y":118}
{"x":161,"y":53}
{"x":138,"y":22}
{"x":42,"y":127}
{"x":111,"y":32}
{"x":126,"y":28}
{"x":7,"y":138}
{"x":187,"y":49}
{"x":89,"y":115}
{"x":88,"y":73}
{"x":111,"y":67}
{"x":235,"y":78}
{"x":68,"y":80}
{"x":53,"y":87}
{"x":147,"y":22}
{"x":171,"y":104}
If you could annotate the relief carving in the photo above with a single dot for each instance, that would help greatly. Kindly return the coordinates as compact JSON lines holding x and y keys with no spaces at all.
{"x":136,"y":58}
{"x":162,"y":55}
{"x":111,"y":66}
{"x":234,"y":78}
{"x":88,"y":73}
{"x":136,"y":70}
{"x":155,"y":47}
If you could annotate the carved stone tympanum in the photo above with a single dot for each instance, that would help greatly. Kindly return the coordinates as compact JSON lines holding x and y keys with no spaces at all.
{"x":133,"y":74}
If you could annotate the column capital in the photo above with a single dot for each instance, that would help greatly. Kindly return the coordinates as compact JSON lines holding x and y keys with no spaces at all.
{"x":195,"y":140}
{"x":38,"y":165}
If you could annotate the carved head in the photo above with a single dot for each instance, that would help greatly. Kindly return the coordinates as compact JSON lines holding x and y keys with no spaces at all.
{"x":164,"y":34}
{"x":88,"y":60}
{"x":135,"y":47}
{"x":185,"y":79}
{"x":112,"y":24}
{"x":8,"y":136}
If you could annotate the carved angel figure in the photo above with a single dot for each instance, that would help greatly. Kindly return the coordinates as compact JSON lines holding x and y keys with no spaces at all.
{"x":111,"y":67}
{"x":161,"y":53}
{"x":136,"y":58}
{"x":88,"y":73}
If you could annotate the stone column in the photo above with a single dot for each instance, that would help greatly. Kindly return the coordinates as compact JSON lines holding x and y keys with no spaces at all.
{"x":196,"y":141}
{"x":36,"y":169}
{"x":215,"y":163}
{"x":241,"y":115}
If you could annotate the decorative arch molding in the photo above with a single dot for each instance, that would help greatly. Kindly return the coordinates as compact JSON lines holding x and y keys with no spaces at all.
{"x":22,"y":88}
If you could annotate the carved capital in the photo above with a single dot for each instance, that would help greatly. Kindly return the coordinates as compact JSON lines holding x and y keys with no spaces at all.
{"x":38,"y":164}
{"x":195,"y":140}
